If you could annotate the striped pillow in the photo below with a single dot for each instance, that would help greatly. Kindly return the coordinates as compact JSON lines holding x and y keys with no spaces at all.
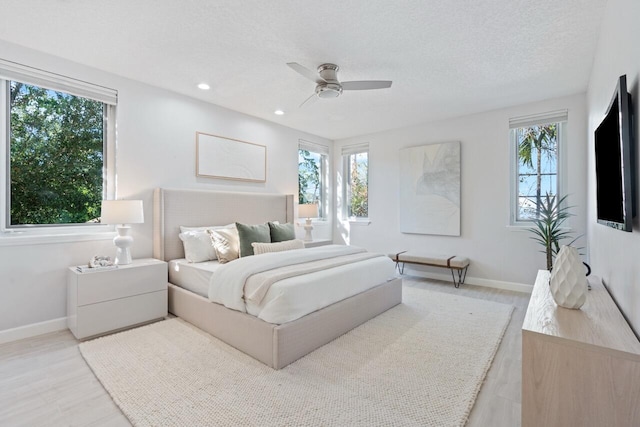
{"x":264,"y":248}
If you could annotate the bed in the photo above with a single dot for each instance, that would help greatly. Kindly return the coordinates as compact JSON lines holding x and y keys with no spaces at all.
{"x":275,"y":345}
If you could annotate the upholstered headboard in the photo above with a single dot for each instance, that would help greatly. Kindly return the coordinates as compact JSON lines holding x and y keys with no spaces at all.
{"x":197,"y":208}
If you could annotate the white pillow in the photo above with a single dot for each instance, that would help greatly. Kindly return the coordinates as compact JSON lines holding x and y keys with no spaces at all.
{"x":207,"y":227}
{"x":264,"y":248}
{"x":197,"y":243}
{"x":197,"y":246}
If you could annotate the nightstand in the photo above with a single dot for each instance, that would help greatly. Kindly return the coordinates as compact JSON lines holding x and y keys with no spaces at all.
{"x":104,"y":301}
{"x":317,"y":242}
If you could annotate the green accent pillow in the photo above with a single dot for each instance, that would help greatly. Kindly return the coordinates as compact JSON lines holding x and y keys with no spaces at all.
{"x":249,"y":234}
{"x":281,"y":232}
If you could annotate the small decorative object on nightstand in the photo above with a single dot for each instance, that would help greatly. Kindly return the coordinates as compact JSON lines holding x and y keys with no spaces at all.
{"x":106,"y":300}
{"x":97,"y":263}
{"x":308,"y":210}
{"x":122,"y":212}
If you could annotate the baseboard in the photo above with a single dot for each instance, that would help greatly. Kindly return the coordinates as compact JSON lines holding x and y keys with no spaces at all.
{"x":33,"y":330}
{"x":60,"y":324}
{"x":488,"y":283}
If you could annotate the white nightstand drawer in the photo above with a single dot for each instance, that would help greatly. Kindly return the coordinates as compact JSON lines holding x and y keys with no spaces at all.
{"x":120,"y":313}
{"x":134,"y":279}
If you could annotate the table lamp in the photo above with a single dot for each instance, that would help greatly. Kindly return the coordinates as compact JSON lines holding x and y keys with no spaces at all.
{"x":121,"y":213}
{"x":308,"y":210}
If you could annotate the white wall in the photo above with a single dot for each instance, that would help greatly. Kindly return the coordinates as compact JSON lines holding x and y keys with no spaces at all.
{"x":155,"y":148}
{"x":615,"y":254}
{"x":498,"y":253}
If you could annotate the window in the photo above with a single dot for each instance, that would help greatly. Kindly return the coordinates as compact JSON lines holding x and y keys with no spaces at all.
{"x":536,"y":145}
{"x":313,"y":162}
{"x":57,"y":139}
{"x":356,"y":181}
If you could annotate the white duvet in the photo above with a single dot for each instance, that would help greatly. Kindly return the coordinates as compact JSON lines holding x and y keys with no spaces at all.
{"x":273,"y":287}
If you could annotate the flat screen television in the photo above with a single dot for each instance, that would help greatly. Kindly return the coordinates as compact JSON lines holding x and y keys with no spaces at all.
{"x":615,"y":168}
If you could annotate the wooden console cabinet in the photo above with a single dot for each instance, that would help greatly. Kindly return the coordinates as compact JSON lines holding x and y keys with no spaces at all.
{"x":579,"y":367}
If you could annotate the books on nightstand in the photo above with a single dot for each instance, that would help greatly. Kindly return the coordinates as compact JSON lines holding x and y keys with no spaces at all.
{"x":87,"y":269}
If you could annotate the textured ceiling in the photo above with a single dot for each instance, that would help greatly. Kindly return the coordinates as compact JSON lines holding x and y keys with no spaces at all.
{"x":446,"y":58}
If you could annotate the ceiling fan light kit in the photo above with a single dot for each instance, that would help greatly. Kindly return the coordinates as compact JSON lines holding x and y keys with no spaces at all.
{"x":328,"y":90}
{"x":328,"y":85}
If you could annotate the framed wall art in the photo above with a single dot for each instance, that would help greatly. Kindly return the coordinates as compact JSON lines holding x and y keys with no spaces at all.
{"x":227,"y":158}
{"x":430,"y":189}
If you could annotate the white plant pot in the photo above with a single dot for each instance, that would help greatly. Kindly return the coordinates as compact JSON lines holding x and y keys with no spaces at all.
{"x":568,"y":280}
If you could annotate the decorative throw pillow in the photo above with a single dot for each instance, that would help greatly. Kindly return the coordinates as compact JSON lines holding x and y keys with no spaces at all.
{"x":281,"y":232}
{"x":225,"y":243}
{"x":252,"y":233}
{"x":206,"y":227}
{"x":197,"y":246}
{"x":197,"y":243}
{"x":287,"y":245}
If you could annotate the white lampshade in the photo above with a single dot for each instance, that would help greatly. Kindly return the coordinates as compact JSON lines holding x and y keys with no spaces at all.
{"x":122,"y":212}
{"x":308,"y":210}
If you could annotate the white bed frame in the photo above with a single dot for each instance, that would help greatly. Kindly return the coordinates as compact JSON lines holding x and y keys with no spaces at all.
{"x":274,"y":345}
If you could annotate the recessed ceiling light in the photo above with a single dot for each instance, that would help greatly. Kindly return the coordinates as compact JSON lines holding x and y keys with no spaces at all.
{"x":278,"y":112}
{"x":203,"y":86}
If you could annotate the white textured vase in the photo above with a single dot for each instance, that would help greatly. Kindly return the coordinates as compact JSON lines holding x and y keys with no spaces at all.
{"x":568,"y":280}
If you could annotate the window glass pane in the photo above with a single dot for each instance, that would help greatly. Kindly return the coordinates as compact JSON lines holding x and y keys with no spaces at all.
{"x":537,"y":167}
{"x":358,"y":197}
{"x":310,"y":178}
{"x":56,"y":156}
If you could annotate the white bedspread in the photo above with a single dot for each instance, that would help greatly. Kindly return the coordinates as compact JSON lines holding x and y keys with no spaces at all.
{"x":258,"y":285}
{"x":295,"y":295}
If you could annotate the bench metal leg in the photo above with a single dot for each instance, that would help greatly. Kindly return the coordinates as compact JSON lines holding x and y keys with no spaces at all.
{"x":400,"y":269}
{"x":462,"y":275}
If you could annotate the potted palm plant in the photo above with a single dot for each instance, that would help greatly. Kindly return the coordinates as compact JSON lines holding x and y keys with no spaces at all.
{"x":548,"y":230}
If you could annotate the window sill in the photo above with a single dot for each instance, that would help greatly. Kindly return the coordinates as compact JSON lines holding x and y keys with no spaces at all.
{"x":527,"y":227}
{"x":359,"y":222}
{"x":24,"y":238}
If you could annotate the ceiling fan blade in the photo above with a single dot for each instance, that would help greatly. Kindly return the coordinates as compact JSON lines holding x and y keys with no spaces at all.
{"x":310,"y":100}
{"x":366,"y":85}
{"x":304,"y":71}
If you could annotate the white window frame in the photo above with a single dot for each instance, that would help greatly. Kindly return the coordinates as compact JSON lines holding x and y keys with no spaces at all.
{"x":323,"y":151}
{"x":11,"y":71}
{"x":560,"y":117}
{"x":347,"y":151}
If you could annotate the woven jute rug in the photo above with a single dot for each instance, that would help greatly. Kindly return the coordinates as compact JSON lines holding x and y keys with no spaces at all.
{"x":421,"y":363}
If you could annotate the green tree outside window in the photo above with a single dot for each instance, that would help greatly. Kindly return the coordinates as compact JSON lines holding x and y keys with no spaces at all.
{"x":56,"y":156}
{"x":358,"y":185}
{"x":537,"y":148}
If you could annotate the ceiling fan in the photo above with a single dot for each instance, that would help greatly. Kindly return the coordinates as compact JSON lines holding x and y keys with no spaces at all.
{"x":327,"y":84}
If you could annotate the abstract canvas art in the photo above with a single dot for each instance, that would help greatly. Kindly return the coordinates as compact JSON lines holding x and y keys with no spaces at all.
{"x":227,"y":158}
{"x":430,"y":189}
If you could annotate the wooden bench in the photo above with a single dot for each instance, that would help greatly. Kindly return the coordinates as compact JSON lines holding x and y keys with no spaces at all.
{"x":454,"y":263}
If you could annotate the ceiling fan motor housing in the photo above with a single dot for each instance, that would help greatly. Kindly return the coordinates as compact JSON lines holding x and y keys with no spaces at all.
{"x":332,"y":88}
{"x":329,"y":72}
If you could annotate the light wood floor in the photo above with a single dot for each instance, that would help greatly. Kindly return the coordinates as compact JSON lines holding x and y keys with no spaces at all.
{"x":44,"y":380}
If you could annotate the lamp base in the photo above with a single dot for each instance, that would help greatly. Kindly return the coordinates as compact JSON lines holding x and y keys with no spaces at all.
{"x":307,"y":230}
{"x":123,"y":242}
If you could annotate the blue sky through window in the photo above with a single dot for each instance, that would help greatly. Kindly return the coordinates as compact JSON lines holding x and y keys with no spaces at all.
{"x":528,"y":174}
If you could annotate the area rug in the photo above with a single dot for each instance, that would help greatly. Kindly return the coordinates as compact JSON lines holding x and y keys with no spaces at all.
{"x":422,"y":363}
